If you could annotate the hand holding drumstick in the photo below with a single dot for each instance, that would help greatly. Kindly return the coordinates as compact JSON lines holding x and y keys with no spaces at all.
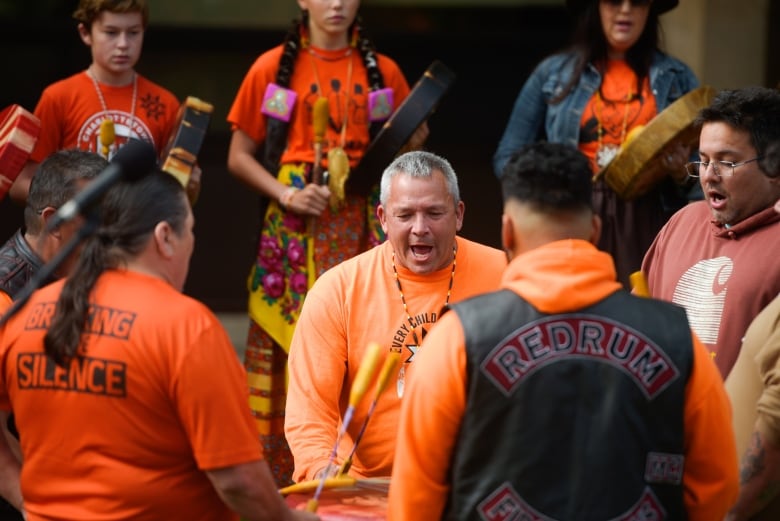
{"x":314,"y":197}
{"x":391,"y":363}
{"x":359,"y":386}
{"x":320,"y":115}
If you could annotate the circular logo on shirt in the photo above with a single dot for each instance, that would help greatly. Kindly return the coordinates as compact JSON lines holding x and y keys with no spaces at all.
{"x":125,"y":127}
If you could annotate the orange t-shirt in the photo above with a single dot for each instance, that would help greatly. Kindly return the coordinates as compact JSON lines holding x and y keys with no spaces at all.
{"x":350,"y":306}
{"x":70,"y":112}
{"x":312,"y":76}
{"x":431,"y":415}
{"x":613,"y":116}
{"x":127,"y":431}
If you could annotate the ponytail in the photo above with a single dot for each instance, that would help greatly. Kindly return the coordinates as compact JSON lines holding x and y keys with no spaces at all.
{"x":129,"y":213}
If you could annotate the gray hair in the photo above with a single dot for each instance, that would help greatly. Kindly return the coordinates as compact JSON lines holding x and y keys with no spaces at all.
{"x":419,"y":164}
{"x":56,"y":180}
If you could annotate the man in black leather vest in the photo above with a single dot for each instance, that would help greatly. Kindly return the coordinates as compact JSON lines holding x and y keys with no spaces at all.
{"x":57,"y":180}
{"x":561,"y":396}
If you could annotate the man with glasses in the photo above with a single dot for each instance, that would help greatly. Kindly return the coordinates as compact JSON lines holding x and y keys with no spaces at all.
{"x":57,"y":180}
{"x":718,"y":258}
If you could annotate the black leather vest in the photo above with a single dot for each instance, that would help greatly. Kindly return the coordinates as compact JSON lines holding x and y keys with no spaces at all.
{"x":18,"y":263}
{"x":575,"y":416}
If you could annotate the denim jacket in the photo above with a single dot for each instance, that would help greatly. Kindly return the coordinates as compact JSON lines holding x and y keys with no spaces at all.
{"x":534,"y":119}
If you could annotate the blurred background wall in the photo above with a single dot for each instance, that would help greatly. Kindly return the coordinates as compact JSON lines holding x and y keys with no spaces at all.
{"x":203,"y":48}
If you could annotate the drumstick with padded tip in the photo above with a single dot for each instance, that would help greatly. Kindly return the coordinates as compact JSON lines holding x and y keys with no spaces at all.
{"x":305,"y":487}
{"x":107,"y":135}
{"x":639,"y":284}
{"x":319,"y":119}
{"x":363,"y":377}
{"x":391,"y":362}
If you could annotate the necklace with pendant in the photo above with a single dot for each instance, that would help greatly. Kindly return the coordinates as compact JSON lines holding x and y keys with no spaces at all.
{"x":402,"y":372}
{"x":606,"y":152}
{"x":107,"y":131}
{"x":338,"y":161}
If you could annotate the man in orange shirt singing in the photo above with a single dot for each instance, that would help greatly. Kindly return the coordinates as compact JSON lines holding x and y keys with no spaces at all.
{"x":392,"y":295}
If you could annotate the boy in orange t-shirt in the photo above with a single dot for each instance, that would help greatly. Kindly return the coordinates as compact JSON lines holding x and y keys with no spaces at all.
{"x":100,"y":108}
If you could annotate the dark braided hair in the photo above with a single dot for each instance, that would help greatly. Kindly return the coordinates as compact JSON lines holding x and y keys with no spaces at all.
{"x":375,"y":81}
{"x":276,"y":130}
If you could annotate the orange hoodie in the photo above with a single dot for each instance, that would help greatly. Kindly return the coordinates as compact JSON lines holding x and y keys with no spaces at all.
{"x":559,"y":277}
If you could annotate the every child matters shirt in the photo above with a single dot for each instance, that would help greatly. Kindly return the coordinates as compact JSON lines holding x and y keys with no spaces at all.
{"x":71,"y":112}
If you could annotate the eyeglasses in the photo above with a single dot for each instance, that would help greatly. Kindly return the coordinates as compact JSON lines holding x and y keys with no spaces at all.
{"x":721,"y":168}
{"x":634,"y":3}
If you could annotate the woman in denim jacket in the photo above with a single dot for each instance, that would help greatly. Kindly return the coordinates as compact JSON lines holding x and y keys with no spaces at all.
{"x":611,"y":80}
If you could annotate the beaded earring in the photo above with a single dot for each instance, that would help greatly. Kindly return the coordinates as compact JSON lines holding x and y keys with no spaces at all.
{"x":304,"y":29}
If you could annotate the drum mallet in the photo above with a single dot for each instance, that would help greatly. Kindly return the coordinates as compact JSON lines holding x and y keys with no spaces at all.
{"x":391,"y":362}
{"x":364,"y":376}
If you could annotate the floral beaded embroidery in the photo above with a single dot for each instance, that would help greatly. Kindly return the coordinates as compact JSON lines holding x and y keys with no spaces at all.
{"x":281,"y":260}
{"x":281,"y":273}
